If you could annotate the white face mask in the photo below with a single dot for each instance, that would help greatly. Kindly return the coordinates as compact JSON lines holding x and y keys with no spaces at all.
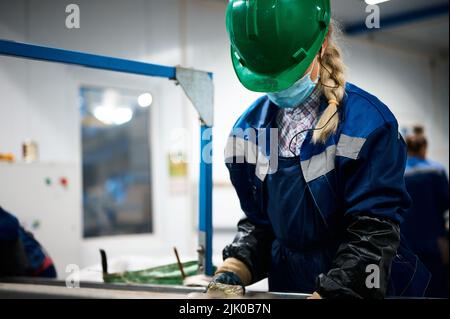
{"x":296,"y":94}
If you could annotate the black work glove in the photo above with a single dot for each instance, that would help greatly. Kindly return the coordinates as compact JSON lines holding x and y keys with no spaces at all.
{"x":370,"y":241}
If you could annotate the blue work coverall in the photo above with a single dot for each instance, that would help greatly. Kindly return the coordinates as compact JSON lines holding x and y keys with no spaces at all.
{"x":21,"y":255}
{"x":327,"y":220}
{"x":424,"y":226}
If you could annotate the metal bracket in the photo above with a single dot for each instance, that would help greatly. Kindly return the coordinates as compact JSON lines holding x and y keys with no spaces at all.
{"x":198,"y":86}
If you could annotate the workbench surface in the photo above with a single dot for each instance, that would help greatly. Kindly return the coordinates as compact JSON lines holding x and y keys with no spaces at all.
{"x":32,"y":288}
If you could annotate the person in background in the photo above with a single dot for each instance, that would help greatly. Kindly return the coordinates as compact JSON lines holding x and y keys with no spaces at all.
{"x":425,"y":225}
{"x":21,"y":255}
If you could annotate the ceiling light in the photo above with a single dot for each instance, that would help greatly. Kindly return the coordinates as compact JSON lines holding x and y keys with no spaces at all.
{"x":372,"y":2}
{"x":145,"y":100}
{"x":113,"y":115}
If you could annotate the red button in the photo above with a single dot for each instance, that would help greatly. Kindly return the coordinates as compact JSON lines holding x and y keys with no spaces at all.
{"x":64,"y":182}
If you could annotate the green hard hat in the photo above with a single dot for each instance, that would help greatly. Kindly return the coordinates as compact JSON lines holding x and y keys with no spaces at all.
{"x":273,"y":42}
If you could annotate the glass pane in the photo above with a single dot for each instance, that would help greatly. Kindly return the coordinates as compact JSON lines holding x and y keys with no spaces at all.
{"x":116,"y":162}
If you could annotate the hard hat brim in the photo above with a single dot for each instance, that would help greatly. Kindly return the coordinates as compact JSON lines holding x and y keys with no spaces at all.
{"x":269,"y":83}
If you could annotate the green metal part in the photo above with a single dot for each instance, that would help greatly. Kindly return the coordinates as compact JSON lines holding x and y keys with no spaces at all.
{"x":161,"y":275}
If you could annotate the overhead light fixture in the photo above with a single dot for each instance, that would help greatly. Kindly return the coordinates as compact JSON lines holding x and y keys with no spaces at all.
{"x":372,"y":2}
{"x":111,"y":115}
{"x":145,"y":100}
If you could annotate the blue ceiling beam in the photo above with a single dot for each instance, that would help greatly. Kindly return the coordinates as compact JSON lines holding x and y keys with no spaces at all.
{"x":37,"y":52}
{"x":399,"y":19}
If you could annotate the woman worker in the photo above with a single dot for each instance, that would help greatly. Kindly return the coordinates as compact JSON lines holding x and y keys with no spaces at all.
{"x":323,"y":208}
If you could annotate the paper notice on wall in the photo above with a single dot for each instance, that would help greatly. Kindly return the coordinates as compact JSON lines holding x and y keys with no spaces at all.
{"x":178,"y":173}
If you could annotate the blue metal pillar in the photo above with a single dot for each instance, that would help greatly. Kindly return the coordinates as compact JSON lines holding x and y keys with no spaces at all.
{"x":205,"y":200}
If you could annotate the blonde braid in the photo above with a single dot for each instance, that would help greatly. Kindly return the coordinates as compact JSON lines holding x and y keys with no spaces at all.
{"x":332,"y":83}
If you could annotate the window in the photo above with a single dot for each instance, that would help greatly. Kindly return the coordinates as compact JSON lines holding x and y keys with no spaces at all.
{"x":116,"y":162}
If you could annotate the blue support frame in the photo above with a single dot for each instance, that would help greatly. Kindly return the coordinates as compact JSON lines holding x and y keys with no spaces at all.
{"x":42,"y":53}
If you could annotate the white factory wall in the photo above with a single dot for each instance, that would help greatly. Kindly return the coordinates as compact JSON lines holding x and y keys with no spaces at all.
{"x":39,"y":99}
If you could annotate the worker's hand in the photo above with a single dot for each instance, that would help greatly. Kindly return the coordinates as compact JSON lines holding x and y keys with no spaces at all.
{"x":225,"y":285}
{"x":315,"y":296}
